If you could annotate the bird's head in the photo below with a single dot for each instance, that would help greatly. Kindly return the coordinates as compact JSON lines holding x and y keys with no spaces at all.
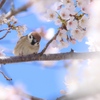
{"x":34,"y":38}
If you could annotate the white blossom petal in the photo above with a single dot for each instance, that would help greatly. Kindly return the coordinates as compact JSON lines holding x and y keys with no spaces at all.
{"x":64,"y":13}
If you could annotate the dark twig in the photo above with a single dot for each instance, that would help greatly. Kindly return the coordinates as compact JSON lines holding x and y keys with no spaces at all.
{"x":2,"y":3}
{"x":42,"y":52}
{"x":72,"y":50}
{"x":51,"y":57}
{"x":7,"y":78}
{"x":5,"y":35}
{"x":4,"y":71}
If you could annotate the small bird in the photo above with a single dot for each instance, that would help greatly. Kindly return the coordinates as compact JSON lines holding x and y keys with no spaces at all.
{"x":28,"y":44}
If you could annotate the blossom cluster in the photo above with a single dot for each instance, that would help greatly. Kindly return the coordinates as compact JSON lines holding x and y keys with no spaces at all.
{"x":82,"y":80}
{"x":11,"y":22}
{"x":12,"y":93}
{"x":71,"y":17}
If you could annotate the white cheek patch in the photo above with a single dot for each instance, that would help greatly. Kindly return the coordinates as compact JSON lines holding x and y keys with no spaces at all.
{"x":36,"y":44}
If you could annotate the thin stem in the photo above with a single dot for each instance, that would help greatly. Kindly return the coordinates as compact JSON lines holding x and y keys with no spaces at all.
{"x":4,"y":35}
{"x":42,"y":52}
{"x":7,"y":78}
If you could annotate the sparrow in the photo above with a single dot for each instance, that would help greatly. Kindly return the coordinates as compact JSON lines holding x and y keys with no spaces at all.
{"x":28,"y":44}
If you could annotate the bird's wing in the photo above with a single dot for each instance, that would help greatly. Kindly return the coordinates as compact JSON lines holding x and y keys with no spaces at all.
{"x":20,"y":45}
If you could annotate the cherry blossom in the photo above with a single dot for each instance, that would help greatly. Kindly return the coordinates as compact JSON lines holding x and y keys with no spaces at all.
{"x":51,"y":14}
{"x":80,"y":3}
{"x":88,"y":87}
{"x":62,"y":34}
{"x":63,"y":44}
{"x":85,"y":9}
{"x":64,"y":13}
{"x":71,"y":84}
{"x":40,"y":6}
{"x":12,"y":93}
{"x":58,"y":22}
{"x":67,"y":2}
{"x":72,"y":24}
{"x":83,"y":21}
{"x":71,"y":9}
{"x":57,"y":5}
{"x":71,"y":20}
{"x":13,"y":19}
{"x":21,"y":30}
{"x":77,"y":34}
{"x":3,"y":19}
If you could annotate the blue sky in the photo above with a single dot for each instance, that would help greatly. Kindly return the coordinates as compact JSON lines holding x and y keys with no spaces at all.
{"x":39,"y":81}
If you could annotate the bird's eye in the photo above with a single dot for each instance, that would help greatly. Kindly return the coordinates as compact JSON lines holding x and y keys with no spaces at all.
{"x":30,"y":36}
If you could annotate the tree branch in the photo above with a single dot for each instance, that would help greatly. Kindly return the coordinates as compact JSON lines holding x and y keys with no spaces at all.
{"x":2,"y":3}
{"x":42,"y":52}
{"x":51,"y":57}
{"x":16,"y":11}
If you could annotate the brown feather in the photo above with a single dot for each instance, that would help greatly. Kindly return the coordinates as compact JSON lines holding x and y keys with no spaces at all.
{"x":37,"y":36}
